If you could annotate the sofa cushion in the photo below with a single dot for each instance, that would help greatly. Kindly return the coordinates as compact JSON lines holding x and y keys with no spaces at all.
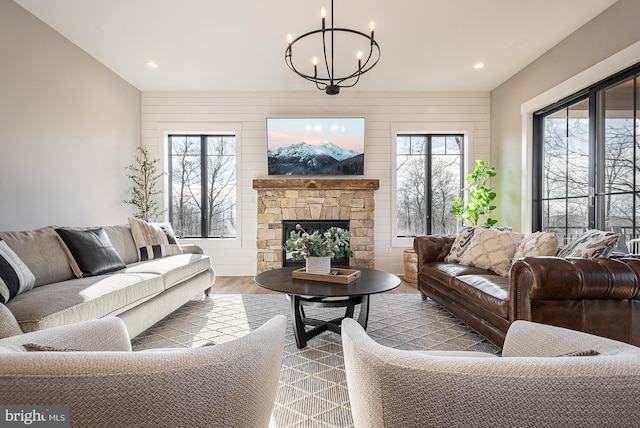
{"x":445,"y":272}
{"x":122,"y":239}
{"x":592,"y":243}
{"x":82,"y":299}
{"x":90,"y":251}
{"x":15,"y":276}
{"x":173,"y":269}
{"x":537,"y":244}
{"x":41,"y":251}
{"x":153,"y":240}
{"x":489,"y":291}
{"x":492,"y":249}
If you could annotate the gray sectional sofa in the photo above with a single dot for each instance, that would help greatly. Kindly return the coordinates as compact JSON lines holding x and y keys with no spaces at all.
{"x":141,"y":294}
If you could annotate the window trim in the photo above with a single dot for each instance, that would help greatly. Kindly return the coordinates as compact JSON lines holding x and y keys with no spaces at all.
{"x":199,"y":128}
{"x":608,"y":66}
{"x":466,"y":129}
{"x":594,"y":94}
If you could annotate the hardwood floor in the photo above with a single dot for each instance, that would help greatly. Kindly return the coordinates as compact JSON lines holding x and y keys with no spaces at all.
{"x":245,"y":285}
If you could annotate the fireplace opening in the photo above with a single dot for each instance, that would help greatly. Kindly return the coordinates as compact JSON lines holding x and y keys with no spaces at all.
{"x":311,"y":226}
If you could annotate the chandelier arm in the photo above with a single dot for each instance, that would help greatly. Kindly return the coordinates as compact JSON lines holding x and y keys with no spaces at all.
{"x":332,"y":49}
{"x":363,"y":69}
{"x":322,"y":88}
{"x":355,"y":76}
{"x":324,"y":50}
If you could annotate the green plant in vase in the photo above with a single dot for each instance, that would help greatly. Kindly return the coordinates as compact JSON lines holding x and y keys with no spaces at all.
{"x":334,"y":242}
{"x":479,"y":197}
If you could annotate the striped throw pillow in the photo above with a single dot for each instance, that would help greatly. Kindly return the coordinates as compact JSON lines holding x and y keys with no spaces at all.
{"x":153,"y":240}
{"x":15,"y":276}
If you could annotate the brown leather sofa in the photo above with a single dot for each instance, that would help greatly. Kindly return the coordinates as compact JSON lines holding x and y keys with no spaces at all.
{"x":599,"y":296}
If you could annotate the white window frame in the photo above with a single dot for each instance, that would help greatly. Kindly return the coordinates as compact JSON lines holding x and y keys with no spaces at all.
{"x":420,"y":128}
{"x":203,"y":128}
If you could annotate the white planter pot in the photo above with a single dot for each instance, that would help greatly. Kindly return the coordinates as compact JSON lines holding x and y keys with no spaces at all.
{"x":321,"y":265}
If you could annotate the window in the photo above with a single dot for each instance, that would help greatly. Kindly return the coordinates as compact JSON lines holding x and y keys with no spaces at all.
{"x":428,"y":176}
{"x":202,"y":185}
{"x":587,"y":160}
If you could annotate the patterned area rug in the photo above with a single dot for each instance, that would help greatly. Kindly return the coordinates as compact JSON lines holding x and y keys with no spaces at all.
{"x":313,"y":388}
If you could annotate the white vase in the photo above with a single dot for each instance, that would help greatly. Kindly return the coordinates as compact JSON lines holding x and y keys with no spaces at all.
{"x":321,"y":265}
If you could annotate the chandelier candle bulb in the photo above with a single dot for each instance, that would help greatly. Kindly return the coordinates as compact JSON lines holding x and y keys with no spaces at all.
{"x":372,"y":26}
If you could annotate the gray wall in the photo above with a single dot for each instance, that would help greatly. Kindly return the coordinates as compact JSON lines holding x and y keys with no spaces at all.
{"x":610,"y":32}
{"x":68,"y":128}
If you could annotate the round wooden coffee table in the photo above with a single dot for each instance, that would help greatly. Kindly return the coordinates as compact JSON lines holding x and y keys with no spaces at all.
{"x":304,"y":292}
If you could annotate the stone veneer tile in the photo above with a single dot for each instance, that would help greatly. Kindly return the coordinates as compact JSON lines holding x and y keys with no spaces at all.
{"x":302,"y":204}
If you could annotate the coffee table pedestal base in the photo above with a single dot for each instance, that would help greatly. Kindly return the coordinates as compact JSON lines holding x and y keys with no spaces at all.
{"x":300,"y":320}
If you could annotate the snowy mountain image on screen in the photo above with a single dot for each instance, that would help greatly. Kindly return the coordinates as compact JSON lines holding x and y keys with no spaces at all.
{"x":307,"y":159}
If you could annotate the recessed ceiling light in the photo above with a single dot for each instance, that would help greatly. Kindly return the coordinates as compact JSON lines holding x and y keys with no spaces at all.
{"x":152,"y":64}
{"x":478,"y":65}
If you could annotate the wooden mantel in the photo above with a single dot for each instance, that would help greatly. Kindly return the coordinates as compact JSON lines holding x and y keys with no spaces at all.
{"x":316,"y":183}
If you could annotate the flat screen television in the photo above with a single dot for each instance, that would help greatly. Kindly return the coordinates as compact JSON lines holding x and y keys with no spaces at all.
{"x":315,"y":146}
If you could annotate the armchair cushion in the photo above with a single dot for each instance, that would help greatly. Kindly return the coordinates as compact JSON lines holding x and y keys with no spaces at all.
{"x":106,"y":334}
{"x":529,"y":339}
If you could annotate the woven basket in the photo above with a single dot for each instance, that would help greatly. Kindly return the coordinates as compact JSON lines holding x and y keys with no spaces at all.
{"x":410,"y":266}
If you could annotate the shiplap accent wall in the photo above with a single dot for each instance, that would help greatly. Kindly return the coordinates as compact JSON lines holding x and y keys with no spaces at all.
{"x":246,"y":113}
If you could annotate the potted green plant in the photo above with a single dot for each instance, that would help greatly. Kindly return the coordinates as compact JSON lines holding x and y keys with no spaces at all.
{"x":318,"y":248}
{"x":145,"y":179}
{"x":479,"y":196}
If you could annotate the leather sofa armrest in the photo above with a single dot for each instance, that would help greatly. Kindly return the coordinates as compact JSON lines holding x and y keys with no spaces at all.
{"x":554,"y":278}
{"x":432,"y":248}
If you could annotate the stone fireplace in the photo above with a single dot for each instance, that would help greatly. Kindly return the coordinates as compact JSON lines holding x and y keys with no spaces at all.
{"x":314,"y":199}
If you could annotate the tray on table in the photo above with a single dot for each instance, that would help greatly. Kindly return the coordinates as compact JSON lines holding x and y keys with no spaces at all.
{"x":341,"y":276}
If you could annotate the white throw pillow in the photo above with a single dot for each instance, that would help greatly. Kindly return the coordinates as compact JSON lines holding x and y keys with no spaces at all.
{"x":537,"y":244}
{"x":492,"y":249}
{"x":154,"y":240}
{"x":15,"y":276}
{"x":461,"y":243}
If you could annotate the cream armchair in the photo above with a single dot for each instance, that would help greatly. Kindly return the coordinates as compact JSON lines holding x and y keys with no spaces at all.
{"x":232,"y":384}
{"x":532,"y":385}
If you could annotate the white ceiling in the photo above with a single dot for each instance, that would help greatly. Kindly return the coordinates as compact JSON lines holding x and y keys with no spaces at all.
{"x":238,"y":45}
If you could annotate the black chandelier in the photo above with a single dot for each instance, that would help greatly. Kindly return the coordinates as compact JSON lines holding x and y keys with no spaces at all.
{"x":329,"y":82}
